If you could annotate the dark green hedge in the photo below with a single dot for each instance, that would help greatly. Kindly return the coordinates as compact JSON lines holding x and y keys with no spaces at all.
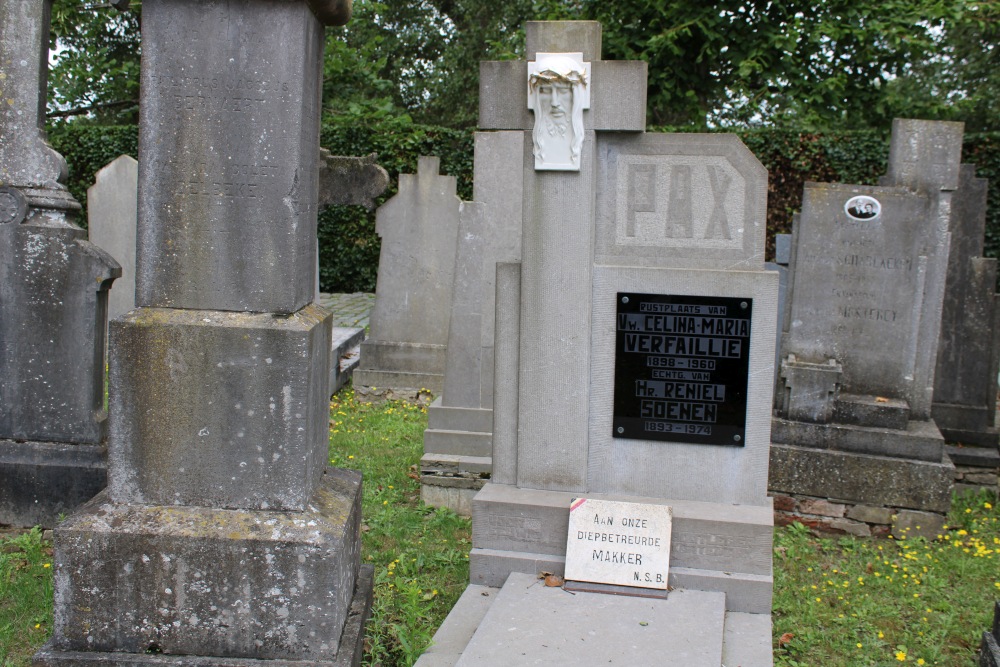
{"x":349,"y":246}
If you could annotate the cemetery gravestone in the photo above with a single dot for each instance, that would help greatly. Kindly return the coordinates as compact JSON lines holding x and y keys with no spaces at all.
{"x":404,"y":355}
{"x":458,"y":442}
{"x":965,"y":378}
{"x":645,"y":222}
{"x":864,"y":315}
{"x":223,"y":537}
{"x":53,"y":301}
{"x":111,"y":221}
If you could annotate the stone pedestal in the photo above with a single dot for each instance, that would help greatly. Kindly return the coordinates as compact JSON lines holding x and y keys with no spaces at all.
{"x":53,"y":301}
{"x":223,"y":538}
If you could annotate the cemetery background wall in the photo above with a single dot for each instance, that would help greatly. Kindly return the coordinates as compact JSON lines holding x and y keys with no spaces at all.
{"x":349,"y":247}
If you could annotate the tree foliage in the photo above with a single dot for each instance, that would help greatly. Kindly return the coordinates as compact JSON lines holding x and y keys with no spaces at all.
{"x":94,"y":62}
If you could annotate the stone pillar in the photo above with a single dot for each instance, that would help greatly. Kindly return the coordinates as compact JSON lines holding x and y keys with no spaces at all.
{"x":223,"y":533}
{"x":53,"y":300}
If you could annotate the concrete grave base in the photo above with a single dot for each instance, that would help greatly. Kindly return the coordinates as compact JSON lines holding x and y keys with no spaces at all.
{"x":400,"y":368}
{"x":862,"y":478}
{"x":525,"y":622}
{"x":39,"y":481}
{"x":348,"y":655}
{"x":920,"y":440}
{"x":345,"y":351}
{"x":458,"y":456}
{"x":183,"y":580}
{"x":714,"y":546}
{"x":965,"y":424}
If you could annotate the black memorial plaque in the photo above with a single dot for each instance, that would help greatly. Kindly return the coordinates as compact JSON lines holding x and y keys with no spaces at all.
{"x":681,"y":367}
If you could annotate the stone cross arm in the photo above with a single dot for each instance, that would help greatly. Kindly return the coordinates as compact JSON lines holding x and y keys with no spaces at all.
{"x":350,"y":180}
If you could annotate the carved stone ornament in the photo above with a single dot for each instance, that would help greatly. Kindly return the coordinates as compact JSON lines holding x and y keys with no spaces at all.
{"x":558,"y":92}
{"x":13,"y":205}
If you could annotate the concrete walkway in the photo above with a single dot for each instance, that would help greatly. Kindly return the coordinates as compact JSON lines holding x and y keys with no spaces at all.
{"x":349,"y":310}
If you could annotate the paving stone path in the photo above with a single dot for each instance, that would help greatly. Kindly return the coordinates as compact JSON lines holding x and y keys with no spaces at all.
{"x":349,"y":310}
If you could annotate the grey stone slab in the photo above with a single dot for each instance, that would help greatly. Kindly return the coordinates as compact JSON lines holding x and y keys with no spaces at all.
{"x":875,"y":411}
{"x":179,"y":579}
{"x":434,"y":493}
{"x":679,"y":471}
{"x":403,"y":357}
{"x":492,"y":236}
{"x":345,"y":352}
{"x":507,"y":362}
{"x":40,"y":482}
{"x":454,"y":634}
{"x":862,"y":478}
{"x":984,"y":457}
{"x":345,"y":180}
{"x":680,"y":201}
{"x":924,"y":155}
{"x":219,"y":409}
{"x":456,"y":463}
{"x":348,"y":654}
{"x":723,"y":536}
{"x":111,"y":222}
{"x":26,"y":159}
{"x":782,"y":249}
{"x":920,"y":441}
{"x":908,"y":524}
{"x":969,"y":350}
{"x":53,"y":308}
{"x":989,"y":651}
{"x":450,"y":418}
{"x":235,"y":205}
{"x":747,"y":640}
{"x":412,"y":311}
{"x":554,"y":627}
{"x":418,"y":228}
{"x":859,"y":282}
{"x":503,"y":95}
{"x":555,"y":354}
{"x":563,"y":37}
{"x":467,"y":443}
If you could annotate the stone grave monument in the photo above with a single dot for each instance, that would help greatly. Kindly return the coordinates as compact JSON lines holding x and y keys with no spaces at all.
{"x":53,"y":300}
{"x":968,"y":359}
{"x":860,"y":339}
{"x":634,"y":353}
{"x":404,"y":356}
{"x":458,"y":443}
{"x":223,"y":537}
{"x":111,"y":221}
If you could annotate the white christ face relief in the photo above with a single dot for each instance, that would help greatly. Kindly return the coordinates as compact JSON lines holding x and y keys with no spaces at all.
{"x":557,"y":86}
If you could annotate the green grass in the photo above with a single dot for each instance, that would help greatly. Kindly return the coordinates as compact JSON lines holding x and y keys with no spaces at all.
{"x":902,"y":600}
{"x":25,"y":595}
{"x":860,"y":601}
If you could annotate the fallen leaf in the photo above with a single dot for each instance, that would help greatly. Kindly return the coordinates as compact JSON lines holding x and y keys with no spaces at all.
{"x":554,"y":580}
{"x":880,"y":399}
{"x":785,"y":639}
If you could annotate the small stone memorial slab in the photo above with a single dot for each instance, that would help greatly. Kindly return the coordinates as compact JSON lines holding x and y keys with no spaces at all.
{"x":681,"y":368}
{"x":617,"y":543}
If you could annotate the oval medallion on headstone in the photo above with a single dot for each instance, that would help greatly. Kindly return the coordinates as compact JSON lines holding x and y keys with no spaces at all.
{"x":862,"y":207}
{"x":13,"y":205}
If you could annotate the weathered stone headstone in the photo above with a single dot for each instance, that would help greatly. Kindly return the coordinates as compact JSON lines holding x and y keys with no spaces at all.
{"x":223,"y":537}
{"x":965,"y":379}
{"x":111,"y":222}
{"x":458,"y":443}
{"x":53,"y":300}
{"x":858,"y":354}
{"x":628,"y":365}
{"x":404,"y":355}
{"x":989,"y":649}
